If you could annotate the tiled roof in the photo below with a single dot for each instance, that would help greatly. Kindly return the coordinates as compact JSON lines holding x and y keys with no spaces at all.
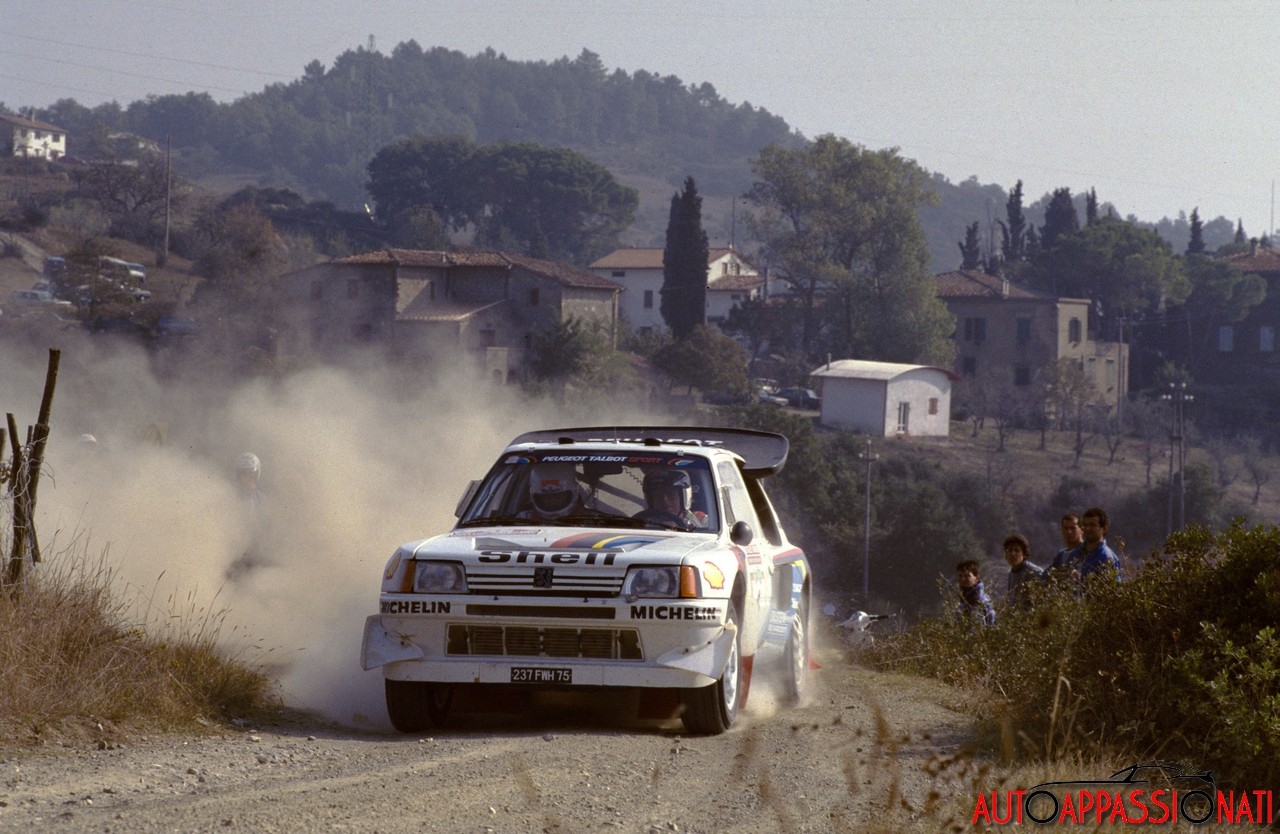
{"x":32,"y":124}
{"x":974,"y":283}
{"x":566,"y":275}
{"x":736,"y":283}
{"x":650,"y":257}
{"x":1262,"y":259}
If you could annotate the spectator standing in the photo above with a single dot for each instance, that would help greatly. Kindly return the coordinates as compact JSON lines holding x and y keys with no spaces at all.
{"x":974,"y":602}
{"x":1072,"y":537}
{"x":1093,"y":556}
{"x":1022,"y":571}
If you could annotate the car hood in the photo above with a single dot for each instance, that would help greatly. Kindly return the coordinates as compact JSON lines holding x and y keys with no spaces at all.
{"x":559,"y":545}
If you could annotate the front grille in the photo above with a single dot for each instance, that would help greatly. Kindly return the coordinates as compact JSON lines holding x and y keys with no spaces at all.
{"x":532,"y":641}
{"x":530,"y":579}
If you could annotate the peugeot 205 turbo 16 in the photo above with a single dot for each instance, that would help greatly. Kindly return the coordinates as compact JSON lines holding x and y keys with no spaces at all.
{"x":644,"y":558}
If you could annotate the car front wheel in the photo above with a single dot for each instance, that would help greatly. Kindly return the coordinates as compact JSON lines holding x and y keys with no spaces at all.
{"x":710,"y":710}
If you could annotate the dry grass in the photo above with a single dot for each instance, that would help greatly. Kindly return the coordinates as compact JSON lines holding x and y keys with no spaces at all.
{"x":74,"y":664}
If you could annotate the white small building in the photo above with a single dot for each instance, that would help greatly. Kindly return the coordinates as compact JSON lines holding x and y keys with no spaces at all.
{"x":885,"y":399}
{"x":731,"y":279}
{"x":34,"y":138}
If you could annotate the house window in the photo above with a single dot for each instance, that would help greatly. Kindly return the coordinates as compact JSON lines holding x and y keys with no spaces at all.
{"x":431,"y":290}
{"x":933,"y":405}
{"x":1024,"y":331}
{"x":353,"y":288}
{"x":1266,"y":339}
{"x":362,"y":333}
{"x":904,"y":417}
{"x":1022,"y":376}
{"x":1226,"y":338}
{"x":488,"y":338}
{"x":969,"y":366}
{"x":975,"y":330}
{"x":1091,"y":373}
{"x":533,"y":296}
{"x":1111,"y":373}
{"x":1073,"y":330}
{"x":648,"y":299}
{"x":619,"y":273}
{"x":317,"y":290}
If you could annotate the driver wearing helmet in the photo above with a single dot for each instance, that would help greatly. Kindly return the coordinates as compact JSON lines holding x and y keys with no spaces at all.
{"x":555,"y":492}
{"x":669,"y":496}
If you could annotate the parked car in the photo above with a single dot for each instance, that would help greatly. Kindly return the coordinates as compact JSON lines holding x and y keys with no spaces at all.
{"x":764,"y":397}
{"x":642,"y":558}
{"x":805,"y":398}
{"x":42,"y":299}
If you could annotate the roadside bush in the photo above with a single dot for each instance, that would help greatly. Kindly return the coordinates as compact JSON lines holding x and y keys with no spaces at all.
{"x":1180,"y":661}
{"x":73,"y":663}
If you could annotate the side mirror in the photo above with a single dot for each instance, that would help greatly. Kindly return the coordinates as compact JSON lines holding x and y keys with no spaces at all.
{"x":741,"y":533}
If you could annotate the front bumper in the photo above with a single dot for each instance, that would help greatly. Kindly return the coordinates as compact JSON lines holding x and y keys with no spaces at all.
{"x":667,"y":643}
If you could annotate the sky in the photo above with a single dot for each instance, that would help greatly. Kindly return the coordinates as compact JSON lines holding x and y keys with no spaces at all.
{"x":1162,"y":106}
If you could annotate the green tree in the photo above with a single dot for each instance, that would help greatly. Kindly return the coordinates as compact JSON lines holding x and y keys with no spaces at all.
{"x":1126,"y":269}
{"x":842,"y":223}
{"x":549,"y":203}
{"x":1014,"y":230}
{"x":1060,"y":218}
{"x":707,"y":360}
{"x":684,"y":264}
{"x":1220,"y":295}
{"x":1196,"y":246}
{"x":1091,"y":207}
{"x":970,"y":248}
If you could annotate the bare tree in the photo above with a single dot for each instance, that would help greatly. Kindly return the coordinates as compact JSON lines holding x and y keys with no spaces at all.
{"x":1257,"y":463}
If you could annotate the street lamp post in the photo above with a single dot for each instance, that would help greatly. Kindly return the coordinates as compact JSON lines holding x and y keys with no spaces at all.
{"x":866,"y":530}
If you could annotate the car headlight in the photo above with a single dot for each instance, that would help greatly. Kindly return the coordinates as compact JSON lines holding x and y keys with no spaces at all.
{"x":439,"y":578}
{"x":652,"y":582}
{"x":668,"y":582}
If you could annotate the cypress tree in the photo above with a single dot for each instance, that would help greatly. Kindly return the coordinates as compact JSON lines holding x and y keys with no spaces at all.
{"x":970,"y":248}
{"x":1195,"y":246}
{"x":684,"y":264}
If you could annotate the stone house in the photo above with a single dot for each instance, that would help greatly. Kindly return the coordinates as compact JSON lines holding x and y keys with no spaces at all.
{"x":482,"y":307}
{"x":34,"y":138}
{"x":731,"y":279}
{"x":885,"y":399}
{"x":1010,"y":333}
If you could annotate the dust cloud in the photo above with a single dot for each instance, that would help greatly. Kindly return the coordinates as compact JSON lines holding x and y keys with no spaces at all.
{"x":355,"y":461}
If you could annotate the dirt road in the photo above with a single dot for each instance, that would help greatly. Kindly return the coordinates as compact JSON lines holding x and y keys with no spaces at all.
{"x":855,"y":757}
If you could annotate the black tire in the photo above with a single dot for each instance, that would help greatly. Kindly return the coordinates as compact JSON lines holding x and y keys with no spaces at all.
{"x":795,"y":659}
{"x":416,"y":706}
{"x":710,"y":710}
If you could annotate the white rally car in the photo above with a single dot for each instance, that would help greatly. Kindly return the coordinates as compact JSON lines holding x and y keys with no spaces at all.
{"x":632,"y":557}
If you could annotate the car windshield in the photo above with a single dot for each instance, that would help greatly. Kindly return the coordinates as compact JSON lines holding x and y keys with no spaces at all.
{"x":598,"y":488}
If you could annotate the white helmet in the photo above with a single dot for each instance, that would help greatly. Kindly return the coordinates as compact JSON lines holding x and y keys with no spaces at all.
{"x":553,"y":488}
{"x":248,"y":462}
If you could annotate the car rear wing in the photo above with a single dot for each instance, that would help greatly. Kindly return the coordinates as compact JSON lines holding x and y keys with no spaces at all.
{"x":763,"y":453}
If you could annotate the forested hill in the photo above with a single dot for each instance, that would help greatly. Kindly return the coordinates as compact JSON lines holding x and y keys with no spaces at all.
{"x":317,"y":134}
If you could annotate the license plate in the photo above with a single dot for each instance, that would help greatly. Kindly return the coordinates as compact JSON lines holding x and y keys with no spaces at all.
{"x":540,"y":674}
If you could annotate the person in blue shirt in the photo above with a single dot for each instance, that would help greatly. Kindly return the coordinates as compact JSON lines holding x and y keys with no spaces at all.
{"x":1022,"y":571}
{"x":1093,"y":557}
{"x":974,"y":602}
{"x":1071,"y":539}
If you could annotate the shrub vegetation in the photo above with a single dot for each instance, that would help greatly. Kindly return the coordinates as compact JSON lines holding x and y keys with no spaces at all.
{"x":1181,"y":660}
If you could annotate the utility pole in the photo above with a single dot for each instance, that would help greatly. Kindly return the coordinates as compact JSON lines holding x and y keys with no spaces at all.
{"x":866,"y":541}
{"x":1177,"y":396}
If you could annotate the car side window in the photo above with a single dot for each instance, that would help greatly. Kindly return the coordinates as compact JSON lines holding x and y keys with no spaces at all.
{"x":737,"y":501}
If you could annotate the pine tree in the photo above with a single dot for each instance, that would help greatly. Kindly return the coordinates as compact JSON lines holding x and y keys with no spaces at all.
{"x":1091,"y":207}
{"x":1015,"y":231}
{"x":1060,"y":218}
{"x":684,"y":264}
{"x":970,"y":248}
{"x":1195,"y":246}
{"x":1240,"y":237}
